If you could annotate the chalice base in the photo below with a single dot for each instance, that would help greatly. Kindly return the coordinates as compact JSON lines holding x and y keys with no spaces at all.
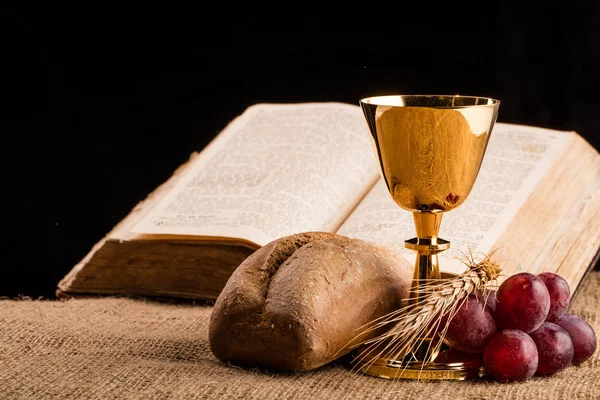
{"x":450,"y":367}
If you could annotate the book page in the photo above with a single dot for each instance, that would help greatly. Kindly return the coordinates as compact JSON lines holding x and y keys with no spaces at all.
{"x":516,"y":159}
{"x":278,"y":169}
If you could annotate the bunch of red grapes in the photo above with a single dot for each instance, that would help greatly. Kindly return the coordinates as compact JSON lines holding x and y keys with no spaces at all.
{"x":523,"y":329}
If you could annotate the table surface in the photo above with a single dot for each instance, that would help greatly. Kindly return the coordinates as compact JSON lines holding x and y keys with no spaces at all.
{"x":140,"y":349}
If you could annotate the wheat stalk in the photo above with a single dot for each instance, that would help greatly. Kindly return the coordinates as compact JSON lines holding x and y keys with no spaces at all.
{"x":430,"y":316}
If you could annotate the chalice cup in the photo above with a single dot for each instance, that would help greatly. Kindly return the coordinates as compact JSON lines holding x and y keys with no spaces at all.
{"x":430,"y":149}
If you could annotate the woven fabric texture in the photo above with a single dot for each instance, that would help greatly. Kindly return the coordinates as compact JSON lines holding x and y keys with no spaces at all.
{"x":118,"y":348}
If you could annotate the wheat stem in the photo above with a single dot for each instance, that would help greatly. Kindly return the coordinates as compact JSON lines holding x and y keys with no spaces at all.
{"x":439,"y":301}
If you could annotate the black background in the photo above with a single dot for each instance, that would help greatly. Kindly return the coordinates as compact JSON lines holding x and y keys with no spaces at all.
{"x":100,"y":106}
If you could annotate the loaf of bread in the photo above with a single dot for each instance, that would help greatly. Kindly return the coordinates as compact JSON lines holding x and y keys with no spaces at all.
{"x":298,"y":302}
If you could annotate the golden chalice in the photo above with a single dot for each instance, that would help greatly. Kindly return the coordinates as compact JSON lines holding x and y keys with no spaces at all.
{"x":430,"y":149}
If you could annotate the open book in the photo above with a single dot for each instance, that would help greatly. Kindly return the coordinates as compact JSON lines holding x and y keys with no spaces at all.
{"x":280,"y":169}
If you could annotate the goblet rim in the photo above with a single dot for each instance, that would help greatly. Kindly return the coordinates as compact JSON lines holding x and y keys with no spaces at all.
{"x":397,"y":100}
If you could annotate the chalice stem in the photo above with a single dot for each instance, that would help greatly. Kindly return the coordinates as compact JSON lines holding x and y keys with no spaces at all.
{"x":427,"y":244}
{"x":426,"y":269}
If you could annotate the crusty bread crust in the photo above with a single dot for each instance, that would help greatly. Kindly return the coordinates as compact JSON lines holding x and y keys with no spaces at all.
{"x":297,"y":303}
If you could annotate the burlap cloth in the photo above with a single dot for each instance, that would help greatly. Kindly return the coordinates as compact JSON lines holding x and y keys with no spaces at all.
{"x":138,"y":349}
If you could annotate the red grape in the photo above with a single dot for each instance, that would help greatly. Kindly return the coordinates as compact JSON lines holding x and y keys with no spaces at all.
{"x":488,"y":296}
{"x":471,"y":326}
{"x":560,"y":293}
{"x":555,"y":348}
{"x":582,"y":335}
{"x":523,"y":302}
{"x":510,"y":355}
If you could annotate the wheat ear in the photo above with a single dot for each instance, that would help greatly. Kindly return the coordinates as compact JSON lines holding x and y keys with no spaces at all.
{"x":440,"y":300}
